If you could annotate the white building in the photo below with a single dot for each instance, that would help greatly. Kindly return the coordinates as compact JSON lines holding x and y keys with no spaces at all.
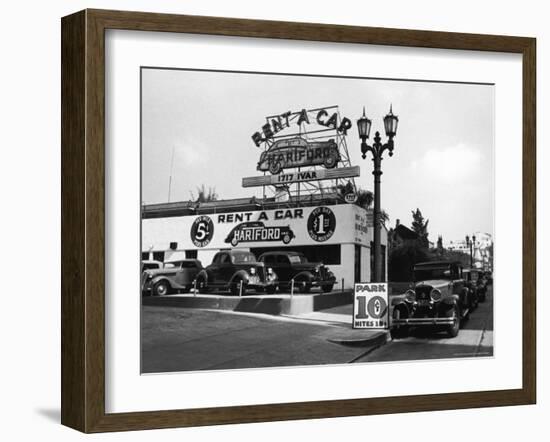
{"x":337,"y":234}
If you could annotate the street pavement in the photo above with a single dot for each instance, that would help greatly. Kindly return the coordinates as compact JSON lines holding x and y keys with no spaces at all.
{"x":190,"y":339}
{"x":474,"y":339}
{"x":183,"y":339}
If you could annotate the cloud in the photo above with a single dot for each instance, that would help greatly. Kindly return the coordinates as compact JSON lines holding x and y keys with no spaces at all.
{"x":450,"y":164}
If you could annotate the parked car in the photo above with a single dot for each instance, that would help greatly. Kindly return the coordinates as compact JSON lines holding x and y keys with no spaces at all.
{"x":254,"y":231}
{"x":236,"y":270}
{"x":298,"y":152}
{"x":295,"y":266}
{"x":472,"y":278}
{"x":174,"y":276}
{"x":482,"y":284}
{"x":439,"y":298}
{"x":151,"y":264}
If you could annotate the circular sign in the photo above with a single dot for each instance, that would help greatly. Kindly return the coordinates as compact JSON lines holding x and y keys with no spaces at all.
{"x":377,"y":307}
{"x":350,"y":198}
{"x":202,"y":231}
{"x":321,"y":224}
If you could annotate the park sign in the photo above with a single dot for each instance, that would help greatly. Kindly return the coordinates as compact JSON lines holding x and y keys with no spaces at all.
{"x":370,"y":306}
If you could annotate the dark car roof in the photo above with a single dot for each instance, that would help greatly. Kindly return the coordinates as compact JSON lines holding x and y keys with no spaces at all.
{"x":282,"y":252}
{"x":182,"y":260}
{"x":422,"y":265}
{"x":234,"y":251}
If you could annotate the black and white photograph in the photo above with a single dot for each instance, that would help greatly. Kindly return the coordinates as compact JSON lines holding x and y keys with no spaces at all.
{"x":305,"y":220}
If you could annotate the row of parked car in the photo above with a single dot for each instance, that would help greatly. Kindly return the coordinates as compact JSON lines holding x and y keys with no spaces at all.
{"x":443,"y":295}
{"x":237,"y":271}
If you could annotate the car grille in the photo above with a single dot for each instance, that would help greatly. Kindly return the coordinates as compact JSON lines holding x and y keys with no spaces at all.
{"x":423,"y":293}
{"x":261,"y":272}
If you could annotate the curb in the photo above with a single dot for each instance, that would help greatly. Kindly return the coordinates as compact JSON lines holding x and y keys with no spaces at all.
{"x":351,"y":338}
{"x":267,"y":304}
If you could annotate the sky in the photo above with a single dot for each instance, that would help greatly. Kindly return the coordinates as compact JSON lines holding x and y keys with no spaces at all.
{"x":443,"y":160}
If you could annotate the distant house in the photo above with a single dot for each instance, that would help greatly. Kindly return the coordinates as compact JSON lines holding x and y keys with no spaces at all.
{"x":400,"y":235}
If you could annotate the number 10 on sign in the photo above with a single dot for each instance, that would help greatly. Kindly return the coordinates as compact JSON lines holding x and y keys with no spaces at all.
{"x":370,"y":305}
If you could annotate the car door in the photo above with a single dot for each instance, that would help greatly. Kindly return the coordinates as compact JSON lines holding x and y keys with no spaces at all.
{"x":225,"y":269}
{"x":214,"y":269}
{"x":187,"y":273}
{"x":283,"y":268}
{"x":459,"y":284}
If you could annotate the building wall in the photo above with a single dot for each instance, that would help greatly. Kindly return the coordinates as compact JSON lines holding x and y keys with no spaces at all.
{"x":347,"y":222}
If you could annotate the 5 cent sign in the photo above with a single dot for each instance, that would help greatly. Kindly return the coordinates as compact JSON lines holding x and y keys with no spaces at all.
{"x":370,"y":305}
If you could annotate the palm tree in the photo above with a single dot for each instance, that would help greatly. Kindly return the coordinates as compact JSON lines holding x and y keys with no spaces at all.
{"x":364,"y":199}
{"x":204,"y":195}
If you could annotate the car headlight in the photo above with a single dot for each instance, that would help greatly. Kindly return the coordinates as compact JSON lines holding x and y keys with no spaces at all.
{"x":271,"y":276}
{"x":435,"y":295}
{"x":253,"y":270}
{"x":410,"y":296}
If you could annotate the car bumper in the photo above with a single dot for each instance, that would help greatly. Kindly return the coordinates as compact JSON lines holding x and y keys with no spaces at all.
{"x":423,"y":321}
{"x":317,"y":282}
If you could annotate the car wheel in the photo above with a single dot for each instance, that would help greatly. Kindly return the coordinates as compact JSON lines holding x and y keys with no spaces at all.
{"x":270,"y":290}
{"x":327,"y":287}
{"x":235,"y":288}
{"x":302,"y":284}
{"x":161,"y":288}
{"x":284,"y":288}
{"x":452,"y":330}
{"x":275,"y":168}
{"x":399,"y":331}
{"x":331,"y":161}
{"x":234,"y":242}
{"x":202,"y":286}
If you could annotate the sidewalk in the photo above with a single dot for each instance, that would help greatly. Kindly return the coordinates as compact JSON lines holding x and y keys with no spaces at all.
{"x":341,"y":331}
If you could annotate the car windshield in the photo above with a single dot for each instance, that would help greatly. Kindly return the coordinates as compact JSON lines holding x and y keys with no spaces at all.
{"x":297,"y":259}
{"x":435,"y":273}
{"x":242,"y":257}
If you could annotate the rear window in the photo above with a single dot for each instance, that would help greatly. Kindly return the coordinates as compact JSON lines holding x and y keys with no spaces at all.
{"x":297,"y":259}
{"x":243,"y":257}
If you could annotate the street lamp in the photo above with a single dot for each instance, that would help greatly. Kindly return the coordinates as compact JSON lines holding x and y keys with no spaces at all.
{"x":470,"y":244}
{"x":377,"y":149}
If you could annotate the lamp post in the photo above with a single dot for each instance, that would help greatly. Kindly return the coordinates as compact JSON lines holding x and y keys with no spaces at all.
{"x":377,"y":149}
{"x":470,"y":244}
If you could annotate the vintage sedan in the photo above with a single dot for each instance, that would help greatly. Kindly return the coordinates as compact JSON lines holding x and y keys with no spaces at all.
{"x":439,"y":298}
{"x":472,"y":278}
{"x":294,"y":266}
{"x":482,"y":284}
{"x":298,"y":152}
{"x":149,"y":264}
{"x":236,"y":271}
{"x":175,"y":276}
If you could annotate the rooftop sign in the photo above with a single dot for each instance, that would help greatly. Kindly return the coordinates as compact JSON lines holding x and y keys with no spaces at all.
{"x":301,"y":176}
{"x":282,"y":121}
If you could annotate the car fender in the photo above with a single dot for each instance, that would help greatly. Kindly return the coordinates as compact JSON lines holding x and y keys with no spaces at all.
{"x":305,"y":273}
{"x":203,"y":273}
{"x":158,"y":279}
{"x":450,"y":299}
{"x":398,"y":300}
{"x":243,"y":274}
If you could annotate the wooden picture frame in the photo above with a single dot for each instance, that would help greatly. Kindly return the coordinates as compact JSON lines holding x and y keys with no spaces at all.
{"x":83,"y":219}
